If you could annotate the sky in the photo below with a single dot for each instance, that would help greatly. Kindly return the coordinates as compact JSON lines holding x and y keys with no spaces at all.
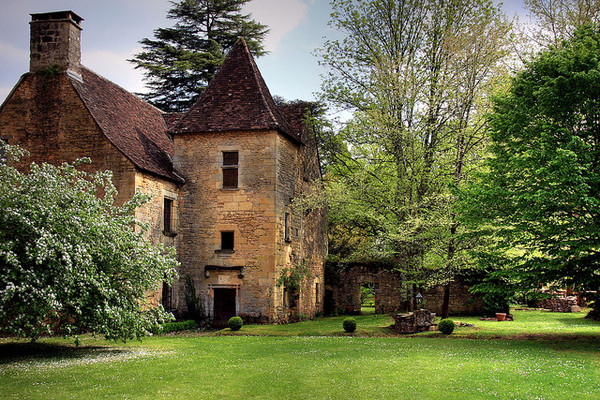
{"x":112,"y":30}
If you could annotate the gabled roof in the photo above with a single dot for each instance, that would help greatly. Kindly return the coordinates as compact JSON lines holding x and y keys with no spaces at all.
{"x":136,"y":128}
{"x":236,"y":99}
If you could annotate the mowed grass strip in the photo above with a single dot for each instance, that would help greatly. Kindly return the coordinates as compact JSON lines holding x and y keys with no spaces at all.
{"x":301,"y":367}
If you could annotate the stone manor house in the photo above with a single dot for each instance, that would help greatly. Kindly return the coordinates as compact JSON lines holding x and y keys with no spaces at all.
{"x":223,"y":175}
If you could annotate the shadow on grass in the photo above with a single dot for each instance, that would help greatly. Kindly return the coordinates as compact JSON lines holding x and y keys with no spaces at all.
{"x":11,"y":352}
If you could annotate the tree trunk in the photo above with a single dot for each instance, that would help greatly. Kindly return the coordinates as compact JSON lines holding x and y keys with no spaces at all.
{"x":446,"y":302}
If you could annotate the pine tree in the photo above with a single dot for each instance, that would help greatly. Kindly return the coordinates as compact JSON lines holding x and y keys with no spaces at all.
{"x":180,"y":61}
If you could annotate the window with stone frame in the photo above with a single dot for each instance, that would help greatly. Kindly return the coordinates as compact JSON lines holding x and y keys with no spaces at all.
{"x":227,"y":241}
{"x":286,"y":229}
{"x":317,"y":292}
{"x":168,"y":216}
{"x":230,"y":169}
{"x":167,"y":296}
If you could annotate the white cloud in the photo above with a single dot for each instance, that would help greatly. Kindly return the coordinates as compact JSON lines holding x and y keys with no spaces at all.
{"x":281,"y":16}
{"x":115,"y":67}
{"x":9,"y":52}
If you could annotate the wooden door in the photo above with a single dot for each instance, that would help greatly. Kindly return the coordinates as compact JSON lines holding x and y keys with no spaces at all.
{"x":225,"y":301}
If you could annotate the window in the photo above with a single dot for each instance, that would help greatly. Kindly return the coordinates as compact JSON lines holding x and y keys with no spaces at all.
{"x":167,"y":296}
{"x":230,"y":169}
{"x":287,"y":227}
{"x":168,"y":216}
{"x":227,"y":241}
{"x":318,"y":293}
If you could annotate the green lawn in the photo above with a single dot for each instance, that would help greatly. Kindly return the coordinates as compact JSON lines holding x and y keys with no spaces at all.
{"x":315,"y":359}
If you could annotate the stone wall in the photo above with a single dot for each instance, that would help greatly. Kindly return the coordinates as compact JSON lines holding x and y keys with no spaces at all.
{"x":346,"y":291}
{"x":306,"y":244}
{"x":462,"y":302}
{"x":344,"y":283}
{"x":152,"y":214}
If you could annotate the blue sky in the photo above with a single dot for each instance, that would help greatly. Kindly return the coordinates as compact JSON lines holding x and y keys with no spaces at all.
{"x":113,"y":28}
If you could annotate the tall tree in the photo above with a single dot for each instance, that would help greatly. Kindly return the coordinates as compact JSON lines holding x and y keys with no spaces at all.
{"x":557,"y":20}
{"x":72,"y":262}
{"x":182,"y":59}
{"x":538,"y":198}
{"x":413,"y":73}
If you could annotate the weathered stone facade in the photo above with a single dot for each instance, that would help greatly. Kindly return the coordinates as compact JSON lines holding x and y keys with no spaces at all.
{"x":234,"y":242}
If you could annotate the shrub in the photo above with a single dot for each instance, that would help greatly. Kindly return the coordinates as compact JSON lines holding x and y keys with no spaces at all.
{"x":446,"y":326}
{"x":175,"y":327}
{"x":349,"y":325}
{"x":235,"y":323}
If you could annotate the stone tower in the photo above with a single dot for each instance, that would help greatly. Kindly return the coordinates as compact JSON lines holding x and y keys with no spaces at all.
{"x":244,"y":160}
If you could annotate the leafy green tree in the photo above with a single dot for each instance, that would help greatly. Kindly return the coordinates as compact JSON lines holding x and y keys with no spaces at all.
{"x":180,"y":61}
{"x":538,"y":198}
{"x":414,"y":74}
{"x":70,"y":260}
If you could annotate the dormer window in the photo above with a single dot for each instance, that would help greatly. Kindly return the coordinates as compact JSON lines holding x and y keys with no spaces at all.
{"x":230,"y":169}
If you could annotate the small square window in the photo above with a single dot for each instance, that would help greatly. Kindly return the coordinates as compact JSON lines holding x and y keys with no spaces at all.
{"x":226,"y":240}
{"x":230,"y":178}
{"x":230,"y":158}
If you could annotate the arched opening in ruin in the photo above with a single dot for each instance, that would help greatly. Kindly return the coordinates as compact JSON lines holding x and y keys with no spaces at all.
{"x":368,"y":298}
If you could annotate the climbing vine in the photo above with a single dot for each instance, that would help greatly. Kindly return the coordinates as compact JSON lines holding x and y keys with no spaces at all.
{"x":291,"y":277}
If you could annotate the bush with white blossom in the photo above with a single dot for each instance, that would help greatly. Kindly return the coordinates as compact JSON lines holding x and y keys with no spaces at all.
{"x":70,"y":260}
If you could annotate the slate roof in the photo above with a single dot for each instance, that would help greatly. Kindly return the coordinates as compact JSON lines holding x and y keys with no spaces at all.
{"x":136,"y":128}
{"x":296,"y":113}
{"x":237,"y":98}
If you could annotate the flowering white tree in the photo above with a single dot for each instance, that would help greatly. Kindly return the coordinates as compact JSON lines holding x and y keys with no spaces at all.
{"x":70,"y":260}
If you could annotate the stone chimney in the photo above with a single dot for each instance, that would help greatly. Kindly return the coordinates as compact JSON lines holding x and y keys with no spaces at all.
{"x":56,"y":42}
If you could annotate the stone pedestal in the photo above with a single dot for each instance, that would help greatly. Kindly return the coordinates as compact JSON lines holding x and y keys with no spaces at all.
{"x":417,"y":321}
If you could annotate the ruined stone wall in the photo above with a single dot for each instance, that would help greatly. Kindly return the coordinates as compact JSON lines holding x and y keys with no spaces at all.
{"x":462,"y":302}
{"x":45,"y":115}
{"x":346,"y":291}
{"x":344,"y":285}
{"x":206,"y":209}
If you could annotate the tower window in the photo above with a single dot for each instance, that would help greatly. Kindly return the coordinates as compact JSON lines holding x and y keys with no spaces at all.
{"x":287,"y":227}
{"x":230,"y":169}
{"x":227,"y":241}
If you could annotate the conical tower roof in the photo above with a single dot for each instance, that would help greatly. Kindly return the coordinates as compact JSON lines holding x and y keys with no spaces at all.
{"x":237,"y":98}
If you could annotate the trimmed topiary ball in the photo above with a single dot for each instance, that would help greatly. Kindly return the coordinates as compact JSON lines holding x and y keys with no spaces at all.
{"x":235,"y":323}
{"x":446,"y":326}
{"x":349,"y":325}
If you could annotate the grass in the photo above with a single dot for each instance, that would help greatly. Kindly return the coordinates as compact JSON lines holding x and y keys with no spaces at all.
{"x":315,"y":359}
